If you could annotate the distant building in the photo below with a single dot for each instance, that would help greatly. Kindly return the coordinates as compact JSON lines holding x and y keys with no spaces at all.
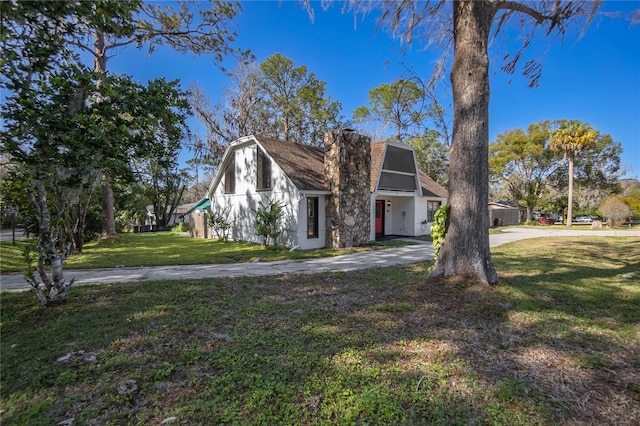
{"x":504,"y":213}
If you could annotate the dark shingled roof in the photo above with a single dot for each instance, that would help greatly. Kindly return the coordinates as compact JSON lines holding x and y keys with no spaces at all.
{"x":303,"y":164}
{"x":431,"y":188}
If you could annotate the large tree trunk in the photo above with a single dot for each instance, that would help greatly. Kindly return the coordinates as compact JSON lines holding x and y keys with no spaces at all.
{"x":466,"y":252}
{"x":100,"y":66}
{"x":530,"y":212}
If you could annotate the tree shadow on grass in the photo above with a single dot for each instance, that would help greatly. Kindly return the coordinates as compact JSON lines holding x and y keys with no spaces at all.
{"x":381,"y":346}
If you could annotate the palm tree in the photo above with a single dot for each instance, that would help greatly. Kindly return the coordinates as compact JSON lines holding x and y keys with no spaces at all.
{"x":572,"y":137}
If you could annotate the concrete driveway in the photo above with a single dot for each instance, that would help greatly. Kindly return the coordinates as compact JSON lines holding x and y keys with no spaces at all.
{"x":349,"y":262}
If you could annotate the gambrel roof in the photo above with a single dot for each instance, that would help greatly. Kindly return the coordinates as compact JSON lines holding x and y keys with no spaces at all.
{"x":304,"y":165}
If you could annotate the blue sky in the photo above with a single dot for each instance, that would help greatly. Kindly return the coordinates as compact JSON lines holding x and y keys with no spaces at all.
{"x":595,"y":79}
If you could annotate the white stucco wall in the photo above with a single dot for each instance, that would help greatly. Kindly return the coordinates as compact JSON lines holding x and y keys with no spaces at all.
{"x":246,"y":199}
{"x":422,"y":215}
{"x":403,"y":213}
{"x":304,"y":242}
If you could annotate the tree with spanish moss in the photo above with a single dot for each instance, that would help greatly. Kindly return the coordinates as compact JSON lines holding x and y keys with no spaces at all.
{"x":465,"y":26}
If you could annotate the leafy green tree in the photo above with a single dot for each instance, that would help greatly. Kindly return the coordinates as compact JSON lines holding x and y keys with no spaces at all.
{"x":631,"y":195}
{"x":401,"y":104}
{"x":630,"y":187}
{"x":572,"y":138}
{"x":432,"y":156}
{"x":131,"y":201}
{"x":523,"y":162}
{"x":163,"y":185}
{"x":44,"y":127}
{"x":45,"y":117}
{"x":14,"y":182}
{"x":188,"y":27}
{"x":292,"y":104}
{"x":597,"y":173}
{"x":281,"y":84}
{"x":320,"y":113}
{"x":276,"y":99}
{"x":158,"y":168}
{"x":466,"y":26}
{"x":634,"y":205}
{"x":62,"y":127}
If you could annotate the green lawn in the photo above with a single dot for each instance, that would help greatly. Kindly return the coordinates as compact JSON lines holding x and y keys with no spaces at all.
{"x":557,"y":343}
{"x":154,"y":249}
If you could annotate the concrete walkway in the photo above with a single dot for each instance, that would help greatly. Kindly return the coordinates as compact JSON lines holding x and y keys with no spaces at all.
{"x":349,"y":262}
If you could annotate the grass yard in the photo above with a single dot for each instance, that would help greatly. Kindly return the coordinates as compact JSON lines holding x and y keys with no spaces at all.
{"x":557,"y":343}
{"x":164,"y":248}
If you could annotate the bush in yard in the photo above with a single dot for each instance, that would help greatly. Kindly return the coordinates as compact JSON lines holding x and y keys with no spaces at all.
{"x":615,"y":210}
{"x":267,"y":223}
{"x":220,"y":223}
{"x":634,"y":204}
{"x":181,"y":227}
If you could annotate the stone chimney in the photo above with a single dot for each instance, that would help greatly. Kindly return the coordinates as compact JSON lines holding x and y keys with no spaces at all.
{"x":347,"y":168}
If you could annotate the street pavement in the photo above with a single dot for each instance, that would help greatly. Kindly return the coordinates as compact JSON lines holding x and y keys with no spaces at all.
{"x":8,"y":235}
{"x":350,"y":262}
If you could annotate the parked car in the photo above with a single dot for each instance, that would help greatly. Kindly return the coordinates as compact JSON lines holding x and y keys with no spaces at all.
{"x":545,"y":220}
{"x":583,"y":219}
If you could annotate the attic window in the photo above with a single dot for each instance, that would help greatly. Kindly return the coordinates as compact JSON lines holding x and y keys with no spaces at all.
{"x":230,"y":176}
{"x":399,"y":160}
{"x":397,"y":182}
{"x":264,"y":171}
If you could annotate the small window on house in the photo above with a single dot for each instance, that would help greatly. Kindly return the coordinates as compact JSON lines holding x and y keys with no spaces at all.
{"x":432,"y":206}
{"x":312,"y":217}
{"x":400,"y":160}
{"x":264,"y":171}
{"x":230,"y":176}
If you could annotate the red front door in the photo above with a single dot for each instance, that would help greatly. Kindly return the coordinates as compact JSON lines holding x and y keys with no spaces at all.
{"x":379,"y":217}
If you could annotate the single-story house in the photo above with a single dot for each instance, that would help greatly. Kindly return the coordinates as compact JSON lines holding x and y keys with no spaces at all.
{"x":345,"y":194}
{"x":176,"y":217}
{"x":503,"y":213}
